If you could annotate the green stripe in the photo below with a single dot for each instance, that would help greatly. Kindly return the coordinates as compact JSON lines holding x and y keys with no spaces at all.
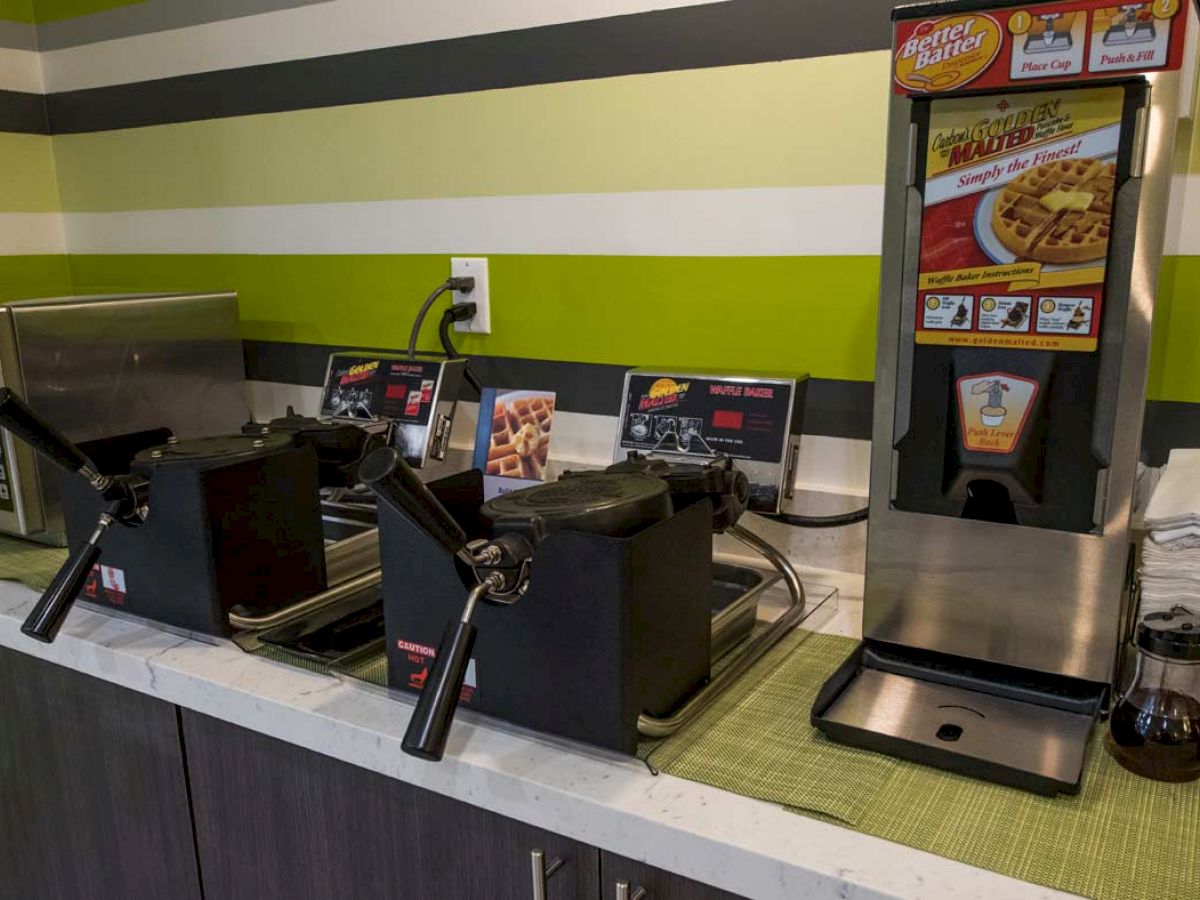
{"x":17,"y":10}
{"x":813,"y":313}
{"x":33,"y":276}
{"x":770,"y":124}
{"x":52,"y":10}
{"x":762,"y":313}
{"x":1175,"y":358}
{"x":27,"y":182}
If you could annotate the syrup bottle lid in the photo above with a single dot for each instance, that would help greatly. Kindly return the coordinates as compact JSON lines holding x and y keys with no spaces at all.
{"x":1171,"y":635}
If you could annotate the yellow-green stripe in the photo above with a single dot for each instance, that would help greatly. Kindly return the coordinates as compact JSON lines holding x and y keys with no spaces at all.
{"x":769,"y":124}
{"x":33,"y":276}
{"x":765,"y":313}
{"x":27,"y":181}
{"x":814,"y":314}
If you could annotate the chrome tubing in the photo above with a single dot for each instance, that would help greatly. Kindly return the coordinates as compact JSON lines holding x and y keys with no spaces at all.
{"x":755,"y":649}
{"x":351,"y":557}
{"x":309,"y":605}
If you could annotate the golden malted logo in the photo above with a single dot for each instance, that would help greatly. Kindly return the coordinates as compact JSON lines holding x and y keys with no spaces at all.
{"x":663,"y":392}
{"x":359,"y":372}
{"x":943,"y":54}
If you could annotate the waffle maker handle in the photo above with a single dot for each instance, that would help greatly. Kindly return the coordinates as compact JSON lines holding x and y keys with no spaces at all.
{"x":394,"y":482}
{"x":38,"y":434}
{"x":48,"y":614}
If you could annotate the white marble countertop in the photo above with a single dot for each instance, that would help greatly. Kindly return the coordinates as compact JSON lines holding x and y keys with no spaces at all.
{"x":612,"y":802}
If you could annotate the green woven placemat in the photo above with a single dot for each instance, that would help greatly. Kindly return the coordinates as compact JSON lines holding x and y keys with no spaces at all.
{"x":1121,"y":837}
{"x":34,"y":565}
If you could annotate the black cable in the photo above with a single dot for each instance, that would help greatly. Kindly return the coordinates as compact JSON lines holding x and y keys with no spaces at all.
{"x":835,"y":521}
{"x":458,"y":313}
{"x":450,"y":284}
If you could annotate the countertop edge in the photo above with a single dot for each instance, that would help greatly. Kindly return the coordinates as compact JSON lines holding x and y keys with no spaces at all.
{"x":747,"y":846}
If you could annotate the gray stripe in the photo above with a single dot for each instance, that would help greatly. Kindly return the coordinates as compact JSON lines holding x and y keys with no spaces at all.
{"x":833,"y":408}
{"x":18,"y":35}
{"x":150,"y":16}
{"x":693,"y":37}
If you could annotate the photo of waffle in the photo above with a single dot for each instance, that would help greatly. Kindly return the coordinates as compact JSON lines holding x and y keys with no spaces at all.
{"x":1058,"y":213}
{"x":520,"y":435}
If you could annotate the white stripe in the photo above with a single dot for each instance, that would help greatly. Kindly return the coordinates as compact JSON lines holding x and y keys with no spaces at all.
{"x":843,"y":220}
{"x":1184,"y":208}
{"x":20,"y":70}
{"x":802,"y":221}
{"x":339,"y":26}
{"x":31,"y":234}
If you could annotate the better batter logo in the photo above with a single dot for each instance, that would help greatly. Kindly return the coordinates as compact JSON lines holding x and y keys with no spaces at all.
{"x":947,"y":53}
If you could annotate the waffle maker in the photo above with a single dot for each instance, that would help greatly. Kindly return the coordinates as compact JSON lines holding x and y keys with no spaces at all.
{"x":340,"y":447}
{"x":595,"y":584}
{"x":187,"y":531}
{"x":584,"y":590}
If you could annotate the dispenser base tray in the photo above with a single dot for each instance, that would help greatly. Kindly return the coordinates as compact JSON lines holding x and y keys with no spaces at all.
{"x":1009,"y":730}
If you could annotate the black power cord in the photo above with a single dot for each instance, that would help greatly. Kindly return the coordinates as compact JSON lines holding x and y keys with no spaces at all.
{"x":459,"y":312}
{"x":835,"y":521}
{"x":466,"y":284}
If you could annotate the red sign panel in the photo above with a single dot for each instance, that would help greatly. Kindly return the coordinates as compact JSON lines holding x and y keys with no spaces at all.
{"x":1037,"y":44}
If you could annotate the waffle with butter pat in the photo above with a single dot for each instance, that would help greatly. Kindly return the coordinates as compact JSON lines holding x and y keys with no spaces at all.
{"x":1060,"y":212}
{"x":520,"y":440}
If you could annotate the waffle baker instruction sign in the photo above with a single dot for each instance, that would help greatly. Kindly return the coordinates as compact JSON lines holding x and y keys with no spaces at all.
{"x":1018,"y":209}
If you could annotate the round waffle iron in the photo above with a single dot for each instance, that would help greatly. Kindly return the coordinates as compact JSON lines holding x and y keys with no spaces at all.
{"x":340,"y":446}
{"x":198,"y":452}
{"x":728,"y":488}
{"x":600,"y":503}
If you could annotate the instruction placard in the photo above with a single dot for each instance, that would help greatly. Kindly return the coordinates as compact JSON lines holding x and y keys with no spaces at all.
{"x":1019,"y":193}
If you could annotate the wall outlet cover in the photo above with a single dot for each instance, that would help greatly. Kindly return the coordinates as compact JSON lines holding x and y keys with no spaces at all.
{"x":477,"y":268}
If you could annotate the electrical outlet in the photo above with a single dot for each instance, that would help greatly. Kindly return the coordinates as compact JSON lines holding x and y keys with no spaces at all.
{"x":477,"y":268}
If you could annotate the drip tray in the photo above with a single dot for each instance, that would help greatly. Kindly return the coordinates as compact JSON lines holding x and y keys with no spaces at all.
{"x":1004,"y":730}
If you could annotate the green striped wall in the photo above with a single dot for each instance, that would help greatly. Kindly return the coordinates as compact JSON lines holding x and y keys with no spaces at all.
{"x":763,"y":313}
{"x":806,"y":122}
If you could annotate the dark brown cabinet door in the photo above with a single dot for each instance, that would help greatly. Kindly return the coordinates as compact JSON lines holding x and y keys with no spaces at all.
{"x":277,"y":821}
{"x":622,"y":878}
{"x":93,"y":794}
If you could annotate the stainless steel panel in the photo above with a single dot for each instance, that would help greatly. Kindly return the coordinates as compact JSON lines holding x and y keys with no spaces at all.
{"x":1035,"y":598}
{"x":101,"y":366}
{"x":1047,"y":742}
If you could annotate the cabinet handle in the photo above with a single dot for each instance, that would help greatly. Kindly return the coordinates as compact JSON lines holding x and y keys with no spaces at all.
{"x":623,"y":892}
{"x":542,"y":871}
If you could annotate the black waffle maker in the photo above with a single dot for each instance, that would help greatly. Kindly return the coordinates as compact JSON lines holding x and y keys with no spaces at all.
{"x":186,"y":531}
{"x":586,"y":600}
{"x":340,"y":447}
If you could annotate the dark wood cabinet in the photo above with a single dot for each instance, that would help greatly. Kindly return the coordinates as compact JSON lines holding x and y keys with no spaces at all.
{"x":277,"y":821}
{"x":106,"y":794}
{"x":657,"y":883}
{"x":93,"y":793}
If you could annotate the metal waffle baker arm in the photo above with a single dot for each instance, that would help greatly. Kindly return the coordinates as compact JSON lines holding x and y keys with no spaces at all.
{"x":501,"y":572}
{"x":125,"y":495}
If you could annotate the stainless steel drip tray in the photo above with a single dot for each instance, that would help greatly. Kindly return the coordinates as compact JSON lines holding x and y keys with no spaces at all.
{"x":1038,"y":746}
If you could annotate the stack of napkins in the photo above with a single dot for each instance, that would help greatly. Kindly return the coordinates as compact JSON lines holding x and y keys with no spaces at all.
{"x":1170,"y":572}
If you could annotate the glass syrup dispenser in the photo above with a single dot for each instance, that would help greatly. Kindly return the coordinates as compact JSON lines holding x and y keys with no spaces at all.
{"x":1154,"y":730}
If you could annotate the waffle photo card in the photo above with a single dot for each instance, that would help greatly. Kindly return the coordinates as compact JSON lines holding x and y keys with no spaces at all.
{"x":1019,"y":195}
{"x":512,"y":442}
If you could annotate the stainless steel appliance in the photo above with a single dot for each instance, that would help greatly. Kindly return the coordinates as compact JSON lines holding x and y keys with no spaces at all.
{"x":1023,"y":230}
{"x":103,"y":366}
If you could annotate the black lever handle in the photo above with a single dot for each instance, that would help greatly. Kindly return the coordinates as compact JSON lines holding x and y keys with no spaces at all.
{"x":429,"y":727}
{"x":386,"y":473}
{"x":43,"y":437}
{"x":47,"y":616}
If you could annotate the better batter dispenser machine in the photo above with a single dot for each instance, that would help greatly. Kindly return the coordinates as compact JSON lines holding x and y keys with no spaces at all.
{"x":1024,"y":220}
